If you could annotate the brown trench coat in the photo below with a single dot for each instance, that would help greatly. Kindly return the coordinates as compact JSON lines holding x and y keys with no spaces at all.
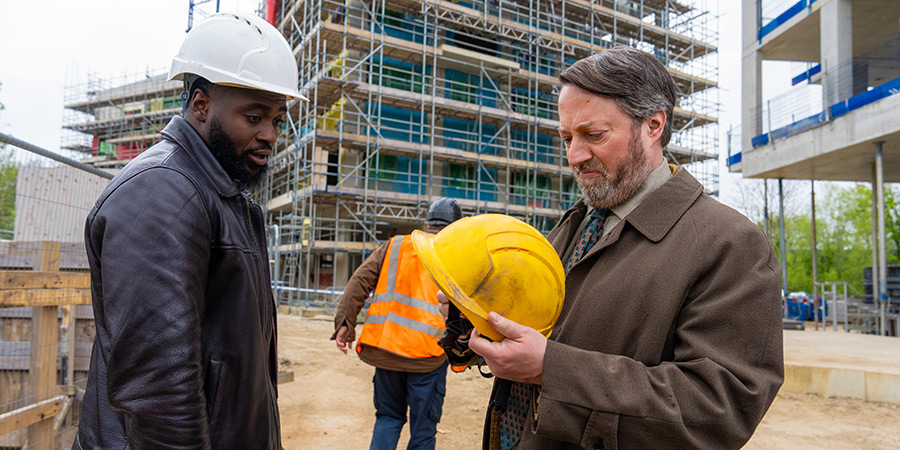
{"x":670,"y":335}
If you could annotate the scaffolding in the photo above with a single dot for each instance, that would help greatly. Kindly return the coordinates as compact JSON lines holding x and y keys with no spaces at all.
{"x":417,"y":99}
{"x":412,"y":100}
{"x":110,"y":120}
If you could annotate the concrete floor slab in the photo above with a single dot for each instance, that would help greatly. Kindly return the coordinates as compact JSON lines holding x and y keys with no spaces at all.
{"x":842,"y":364}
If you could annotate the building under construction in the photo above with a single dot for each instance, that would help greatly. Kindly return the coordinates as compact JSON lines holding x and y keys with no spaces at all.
{"x":412,"y":100}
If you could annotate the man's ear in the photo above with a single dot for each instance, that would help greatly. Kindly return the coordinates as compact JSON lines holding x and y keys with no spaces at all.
{"x":656,"y":123}
{"x":199,"y":105}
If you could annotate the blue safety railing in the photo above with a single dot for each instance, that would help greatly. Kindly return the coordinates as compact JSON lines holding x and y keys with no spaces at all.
{"x":807,"y":75}
{"x":782,"y":18}
{"x":871,"y":96}
{"x":837,"y":110}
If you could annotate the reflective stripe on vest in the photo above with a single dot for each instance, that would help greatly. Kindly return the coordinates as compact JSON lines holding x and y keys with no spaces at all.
{"x":398,"y":321}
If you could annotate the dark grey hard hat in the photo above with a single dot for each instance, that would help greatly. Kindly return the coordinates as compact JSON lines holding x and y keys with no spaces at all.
{"x":443,"y":211}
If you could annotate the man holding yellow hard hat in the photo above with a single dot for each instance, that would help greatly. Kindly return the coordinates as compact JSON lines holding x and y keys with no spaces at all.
{"x":669,"y":335}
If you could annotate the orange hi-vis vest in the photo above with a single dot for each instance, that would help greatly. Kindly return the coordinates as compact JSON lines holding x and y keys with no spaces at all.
{"x":403,"y":317}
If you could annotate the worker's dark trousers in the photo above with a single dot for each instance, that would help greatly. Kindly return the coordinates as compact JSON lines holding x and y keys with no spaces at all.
{"x":423,"y":393}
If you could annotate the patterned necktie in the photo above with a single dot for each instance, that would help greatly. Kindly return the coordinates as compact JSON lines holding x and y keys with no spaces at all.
{"x":589,"y":236}
{"x":512,"y":419}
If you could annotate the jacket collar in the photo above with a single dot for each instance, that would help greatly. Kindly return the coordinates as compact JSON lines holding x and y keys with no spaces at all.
{"x":653,"y":217}
{"x":184,"y":135}
{"x":568,"y":225}
{"x":659,"y":212}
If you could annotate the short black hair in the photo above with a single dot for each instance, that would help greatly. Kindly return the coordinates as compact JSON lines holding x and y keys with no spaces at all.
{"x":207,"y":87}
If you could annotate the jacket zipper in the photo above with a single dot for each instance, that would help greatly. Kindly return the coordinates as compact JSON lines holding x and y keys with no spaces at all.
{"x":246,"y":196}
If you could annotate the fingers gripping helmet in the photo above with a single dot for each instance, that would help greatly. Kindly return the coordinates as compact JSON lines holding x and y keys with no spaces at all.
{"x":494,"y":262}
{"x":241,"y":51}
{"x":443,"y":211}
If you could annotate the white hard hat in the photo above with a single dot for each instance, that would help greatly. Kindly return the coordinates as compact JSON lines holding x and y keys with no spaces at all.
{"x":241,"y":51}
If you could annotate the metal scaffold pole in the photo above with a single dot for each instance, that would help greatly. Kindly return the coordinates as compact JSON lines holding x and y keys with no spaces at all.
{"x":414,"y":100}
{"x":54,"y":156}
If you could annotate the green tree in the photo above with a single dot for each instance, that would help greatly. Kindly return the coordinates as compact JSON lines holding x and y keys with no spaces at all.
{"x":843,"y":236}
{"x":858,"y":204}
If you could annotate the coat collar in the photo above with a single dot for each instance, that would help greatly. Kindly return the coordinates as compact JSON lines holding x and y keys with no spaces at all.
{"x":659,"y":212}
{"x":653,"y":218}
{"x":568,"y":225}
{"x":184,"y":135}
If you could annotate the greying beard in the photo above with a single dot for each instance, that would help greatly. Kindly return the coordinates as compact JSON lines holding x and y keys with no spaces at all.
{"x":607,"y":191}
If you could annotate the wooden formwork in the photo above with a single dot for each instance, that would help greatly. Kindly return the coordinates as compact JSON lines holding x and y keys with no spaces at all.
{"x":41,"y":307}
{"x":39,"y":327}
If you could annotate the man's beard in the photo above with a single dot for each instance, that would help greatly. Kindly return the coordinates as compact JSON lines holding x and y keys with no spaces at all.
{"x":235,"y":165}
{"x":609,"y":190}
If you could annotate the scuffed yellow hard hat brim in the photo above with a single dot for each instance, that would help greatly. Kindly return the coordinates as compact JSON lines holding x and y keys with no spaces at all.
{"x":439,"y":271}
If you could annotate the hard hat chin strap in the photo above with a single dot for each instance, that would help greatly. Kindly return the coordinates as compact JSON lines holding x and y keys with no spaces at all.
{"x":456,"y":343}
{"x":189,"y":80}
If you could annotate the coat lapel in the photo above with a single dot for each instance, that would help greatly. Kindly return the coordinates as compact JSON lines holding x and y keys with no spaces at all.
{"x":564,"y":232}
{"x":657,"y":214}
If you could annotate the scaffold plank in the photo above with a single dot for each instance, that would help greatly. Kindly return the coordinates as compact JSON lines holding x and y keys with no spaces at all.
{"x":394,"y":146}
{"x":403,"y":50}
{"x":324,"y":245}
{"x":660,"y":36}
{"x":358,"y":193}
{"x":293,"y":12}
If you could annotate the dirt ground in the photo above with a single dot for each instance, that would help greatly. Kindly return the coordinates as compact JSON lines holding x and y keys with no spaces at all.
{"x":329,"y":405}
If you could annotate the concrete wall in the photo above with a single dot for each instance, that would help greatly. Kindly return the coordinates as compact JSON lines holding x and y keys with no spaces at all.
{"x":839,"y":382}
{"x":53,"y":202}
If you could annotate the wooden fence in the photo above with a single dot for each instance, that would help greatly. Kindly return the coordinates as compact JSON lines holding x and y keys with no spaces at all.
{"x":46,"y":334}
{"x":38,"y":397}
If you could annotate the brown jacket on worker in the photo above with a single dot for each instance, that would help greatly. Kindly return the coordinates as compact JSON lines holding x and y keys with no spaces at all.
{"x":363,"y":282}
{"x":670,"y":334}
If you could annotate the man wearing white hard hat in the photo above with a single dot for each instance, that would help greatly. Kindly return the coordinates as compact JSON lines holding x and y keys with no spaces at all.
{"x":185,"y":355}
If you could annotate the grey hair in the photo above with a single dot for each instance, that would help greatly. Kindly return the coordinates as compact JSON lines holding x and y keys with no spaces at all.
{"x":635,"y":79}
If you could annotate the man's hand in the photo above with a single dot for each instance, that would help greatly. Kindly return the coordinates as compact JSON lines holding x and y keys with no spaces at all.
{"x":341,"y":339}
{"x":519,"y":357}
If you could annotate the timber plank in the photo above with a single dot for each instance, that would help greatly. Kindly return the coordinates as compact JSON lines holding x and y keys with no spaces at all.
{"x":31,"y":414}
{"x":44,"y":297}
{"x":20,"y":279}
{"x":44,"y":338}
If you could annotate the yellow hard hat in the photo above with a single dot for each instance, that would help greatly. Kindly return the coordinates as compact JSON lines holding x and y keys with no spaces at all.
{"x":494,"y":262}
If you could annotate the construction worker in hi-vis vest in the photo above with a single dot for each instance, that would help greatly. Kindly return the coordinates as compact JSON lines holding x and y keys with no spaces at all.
{"x":400,"y":335}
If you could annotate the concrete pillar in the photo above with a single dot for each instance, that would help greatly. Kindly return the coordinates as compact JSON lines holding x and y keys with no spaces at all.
{"x":882,"y":237}
{"x":342,"y":269}
{"x":815,"y":254}
{"x":437,"y":179}
{"x":319,"y":168}
{"x":836,"y":35}
{"x":876,"y":293}
{"x":784,"y":278}
{"x":351,"y":159}
{"x":751,"y":77}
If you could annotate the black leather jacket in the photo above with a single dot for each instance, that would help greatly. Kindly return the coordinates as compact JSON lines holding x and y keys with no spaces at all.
{"x":185,"y":350}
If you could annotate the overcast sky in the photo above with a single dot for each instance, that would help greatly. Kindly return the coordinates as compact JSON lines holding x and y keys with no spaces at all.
{"x":47,"y":45}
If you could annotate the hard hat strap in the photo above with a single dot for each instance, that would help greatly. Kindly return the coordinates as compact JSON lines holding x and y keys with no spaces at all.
{"x":189,"y":80}
{"x":456,"y":343}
